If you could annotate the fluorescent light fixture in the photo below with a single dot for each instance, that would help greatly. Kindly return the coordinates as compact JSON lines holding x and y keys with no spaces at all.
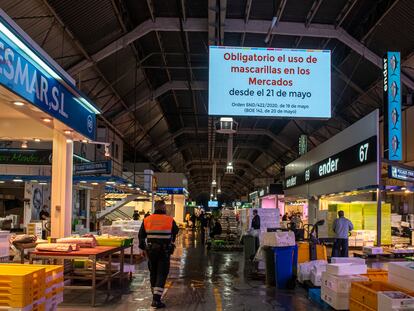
{"x":85,"y":141}
{"x":69,"y":140}
{"x":68,"y":132}
{"x":226,"y":119}
{"x":18,"y":180}
{"x":403,"y":188}
{"x":24,"y":144}
{"x":46,"y":120}
{"x":129,"y":185}
{"x":83,"y":181}
{"x":94,"y":183}
{"x":2,"y":181}
{"x":36,"y":140}
{"x":43,"y":183}
{"x":392,"y":190}
{"x":138,"y":188}
{"x":17,"y":103}
{"x":269,"y":32}
{"x":33,"y":180}
{"x":45,"y":66}
{"x":82,"y":101}
{"x":110,"y":183}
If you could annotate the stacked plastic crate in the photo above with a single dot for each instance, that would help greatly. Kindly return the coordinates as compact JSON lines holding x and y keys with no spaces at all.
{"x":53,"y":285}
{"x":22,"y":288}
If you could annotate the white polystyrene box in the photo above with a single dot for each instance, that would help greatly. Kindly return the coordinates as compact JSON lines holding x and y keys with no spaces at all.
{"x":353,"y":260}
{"x":394,"y":301}
{"x":338,"y":301}
{"x":372,"y":250}
{"x":400,"y":281}
{"x":341,"y":284}
{"x":316,"y":278}
{"x":346,"y":269}
{"x":402,"y":269}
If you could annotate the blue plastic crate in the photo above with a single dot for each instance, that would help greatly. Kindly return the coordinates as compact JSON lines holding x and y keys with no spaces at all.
{"x":314,"y":294}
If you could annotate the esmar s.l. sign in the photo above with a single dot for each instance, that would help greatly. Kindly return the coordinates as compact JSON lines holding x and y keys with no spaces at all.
{"x":269,"y":82}
{"x":357,"y":155}
{"x":25,"y":73}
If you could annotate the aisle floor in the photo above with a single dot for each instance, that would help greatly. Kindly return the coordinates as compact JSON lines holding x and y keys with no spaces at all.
{"x":200,"y":280}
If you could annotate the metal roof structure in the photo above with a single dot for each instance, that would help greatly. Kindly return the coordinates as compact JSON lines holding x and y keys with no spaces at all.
{"x":145,"y":64}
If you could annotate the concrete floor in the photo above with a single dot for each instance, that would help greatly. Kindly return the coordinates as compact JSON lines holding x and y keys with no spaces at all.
{"x":200,"y":280}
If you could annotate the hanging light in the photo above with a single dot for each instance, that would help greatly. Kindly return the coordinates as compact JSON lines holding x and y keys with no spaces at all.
{"x":24,"y":144}
{"x":19,"y":104}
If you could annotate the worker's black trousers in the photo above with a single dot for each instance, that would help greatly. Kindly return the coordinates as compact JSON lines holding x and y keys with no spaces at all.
{"x":159,"y":267}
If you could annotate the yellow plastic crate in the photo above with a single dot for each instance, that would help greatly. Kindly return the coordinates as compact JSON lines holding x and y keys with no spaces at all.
{"x":303,"y":252}
{"x":21,"y":276}
{"x":376,"y":275}
{"x":357,"y":306}
{"x":53,"y":273}
{"x":366,"y":293}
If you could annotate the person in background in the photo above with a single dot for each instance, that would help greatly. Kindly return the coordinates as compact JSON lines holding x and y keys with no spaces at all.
{"x":341,"y":226}
{"x":44,"y":214}
{"x":285,"y":217}
{"x":203,"y":225}
{"x":156,"y":238}
{"x":135,"y":216}
{"x":147,"y":214}
{"x":187,"y":219}
{"x":255,"y":220}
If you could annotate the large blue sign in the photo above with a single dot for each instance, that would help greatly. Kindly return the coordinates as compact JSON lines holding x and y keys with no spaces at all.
{"x":23,"y":72}
{"x":400,"y":173}
{"x":392,"y":107}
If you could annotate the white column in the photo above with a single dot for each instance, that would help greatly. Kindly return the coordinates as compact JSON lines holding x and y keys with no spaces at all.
{"x":61,"y":192}
{"x":88,"y":210}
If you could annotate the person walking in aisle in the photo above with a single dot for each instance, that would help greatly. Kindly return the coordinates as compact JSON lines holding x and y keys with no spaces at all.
{"x":255,"y":220}
{"x":341,"y":226}
{"x":156,"y":238}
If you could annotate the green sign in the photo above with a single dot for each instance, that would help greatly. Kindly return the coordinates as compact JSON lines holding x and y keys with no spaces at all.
{"x":25,"y":156}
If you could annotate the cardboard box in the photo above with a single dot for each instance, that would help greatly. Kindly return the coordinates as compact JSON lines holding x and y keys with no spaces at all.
{"x":394,"y":301}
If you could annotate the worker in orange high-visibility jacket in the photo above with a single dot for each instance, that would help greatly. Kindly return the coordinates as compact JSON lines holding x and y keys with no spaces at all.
{"x":156,"y":238}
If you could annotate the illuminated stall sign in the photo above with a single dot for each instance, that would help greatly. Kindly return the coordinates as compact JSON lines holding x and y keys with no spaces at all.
{"x":93,"y":168}
{"x":24,"y":72}
{"x":400,"y":173}
{"x":358,"y":155}
{"x":171,"y":190}
{"x":392,"y":106}
{"x":25,"y":157}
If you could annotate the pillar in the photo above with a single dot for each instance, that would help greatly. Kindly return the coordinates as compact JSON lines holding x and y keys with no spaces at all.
{"x":61,"y":192}
{"x":88,"y":210}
